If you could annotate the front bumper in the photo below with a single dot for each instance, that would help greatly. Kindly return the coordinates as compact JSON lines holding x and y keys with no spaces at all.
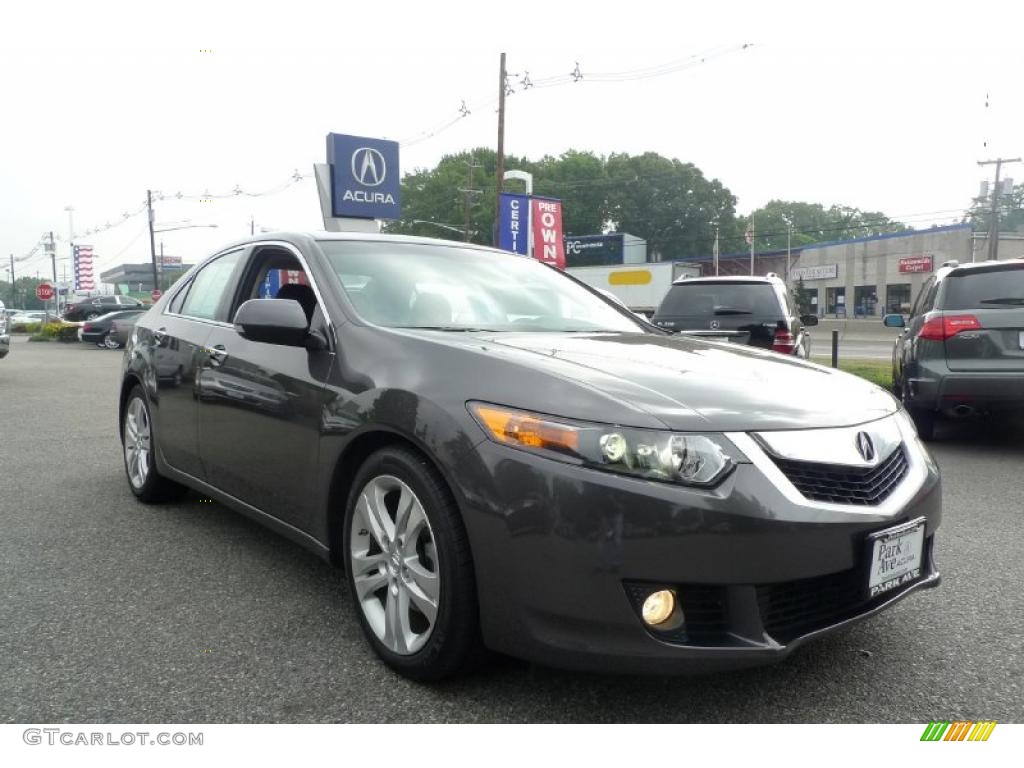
{"x":561,"y":551}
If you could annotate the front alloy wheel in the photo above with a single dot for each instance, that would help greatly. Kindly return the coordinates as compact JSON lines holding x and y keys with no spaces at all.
{"x":394,"y":565}
{"x":409,"y":567}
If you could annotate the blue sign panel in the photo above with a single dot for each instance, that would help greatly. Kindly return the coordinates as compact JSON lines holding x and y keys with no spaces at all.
{"x":365,"y":180}
{"x":514,"y":223}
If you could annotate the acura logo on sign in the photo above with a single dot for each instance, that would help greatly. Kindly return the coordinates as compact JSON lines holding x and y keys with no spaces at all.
{"x":865,"y":447}
{"x":368,"y":167}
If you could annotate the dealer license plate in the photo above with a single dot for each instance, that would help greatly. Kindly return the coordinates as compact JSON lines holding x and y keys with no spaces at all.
{"x":896,"y":557}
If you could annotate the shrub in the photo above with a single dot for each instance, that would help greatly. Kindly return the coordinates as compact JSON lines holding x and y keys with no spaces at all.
{"x":55,"y":331}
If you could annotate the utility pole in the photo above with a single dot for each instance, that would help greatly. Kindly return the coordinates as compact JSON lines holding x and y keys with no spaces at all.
{"x":152,"y":241}
{"x":500,"y":168}
{"x":468,"y":192}
{"x":714,"y":248}
{"x":252,"y":228}
{"x":993,"y":227}
{"x":14,"y":289}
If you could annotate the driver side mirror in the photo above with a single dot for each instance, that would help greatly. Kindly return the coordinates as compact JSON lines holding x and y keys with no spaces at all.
{"x":809,"y":319}
{"x":894,"y":321}
{"x":272,"y":321}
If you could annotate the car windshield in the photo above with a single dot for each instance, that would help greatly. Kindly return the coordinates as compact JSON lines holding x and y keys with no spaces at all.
{"x":996,"y":288}
{"x":708,"y":299}
{"x":412,"y":285}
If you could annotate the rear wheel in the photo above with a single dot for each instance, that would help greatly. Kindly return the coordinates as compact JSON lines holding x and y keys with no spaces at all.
{"x":110,"y":342}
{"x":409,"y":567}
{"x":139,"y":444}
{"x":92,"y":315}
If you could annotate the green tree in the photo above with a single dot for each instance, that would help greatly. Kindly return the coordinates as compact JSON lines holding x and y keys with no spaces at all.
{"x":25,"y":290}
{"x":813,"y":223}
{"x":667,"y":202}
{"x":1011,"y":212}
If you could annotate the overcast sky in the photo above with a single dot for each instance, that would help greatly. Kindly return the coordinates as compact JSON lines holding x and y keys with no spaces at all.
{"x":874,"y":105}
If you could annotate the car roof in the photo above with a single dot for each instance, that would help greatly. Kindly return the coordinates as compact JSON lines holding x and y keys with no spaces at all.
{"x":307,"y":238}
{"x":979,"y":266}
{"x":726,"y":279}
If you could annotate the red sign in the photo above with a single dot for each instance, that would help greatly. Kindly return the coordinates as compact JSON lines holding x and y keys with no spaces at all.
{"x":916,"y":264}
{"x":44,"y":291}
{"x":546,"y":221}
{"x":155,"y":294}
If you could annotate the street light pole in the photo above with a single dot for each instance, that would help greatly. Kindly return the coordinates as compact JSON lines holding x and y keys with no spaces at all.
{"x":152,"y":240}
{"x":71,"y":246}
{"x":789,"y":246}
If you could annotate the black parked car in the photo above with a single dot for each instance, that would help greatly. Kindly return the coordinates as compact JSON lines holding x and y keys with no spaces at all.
{"x":962,"y":352}
{"x":100,"y":330}
{"x":744,"y":310}
{"x":500,"y":457}
{"x":100,"y":305}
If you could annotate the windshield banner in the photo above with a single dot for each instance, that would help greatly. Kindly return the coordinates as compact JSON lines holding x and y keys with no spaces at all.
{"x":546,"y":221}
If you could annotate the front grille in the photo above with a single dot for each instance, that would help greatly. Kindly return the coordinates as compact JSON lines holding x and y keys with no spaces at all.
{"x":838,"y":484}
{"x":793,"y":608}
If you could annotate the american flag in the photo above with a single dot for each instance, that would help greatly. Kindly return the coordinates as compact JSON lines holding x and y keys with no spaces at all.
{"x":83,"y":268}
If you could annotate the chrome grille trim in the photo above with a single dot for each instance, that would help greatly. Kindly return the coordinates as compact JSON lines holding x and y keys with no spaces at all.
{"x":917,"y":472}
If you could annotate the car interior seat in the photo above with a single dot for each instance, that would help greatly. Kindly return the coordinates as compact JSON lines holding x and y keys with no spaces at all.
{"x":300,"y":293}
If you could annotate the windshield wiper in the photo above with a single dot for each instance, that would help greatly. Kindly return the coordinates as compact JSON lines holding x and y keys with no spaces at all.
{"x":731,"y":311}
{"x":1009,"y":300}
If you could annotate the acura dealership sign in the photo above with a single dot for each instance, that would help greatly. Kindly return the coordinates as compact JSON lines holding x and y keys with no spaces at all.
{"x":365,"y":178}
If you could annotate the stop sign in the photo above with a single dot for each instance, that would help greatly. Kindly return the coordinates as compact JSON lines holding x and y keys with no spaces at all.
{"x":155,"y":294}
{"x":44,"y":291}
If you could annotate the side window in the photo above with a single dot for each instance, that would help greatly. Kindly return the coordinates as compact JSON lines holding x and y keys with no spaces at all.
{"x":210,"y":285}
{"x":922,"y":298}
{"x":174,"y":307}
{"x":928,"y":302}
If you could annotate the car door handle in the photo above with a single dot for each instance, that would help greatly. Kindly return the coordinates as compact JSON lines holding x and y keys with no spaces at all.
{"x":218,"y":355}
{"x":160,"y":336}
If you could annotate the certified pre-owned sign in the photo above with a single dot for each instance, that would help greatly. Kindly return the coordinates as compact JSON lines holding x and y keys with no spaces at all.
{"x":365,"y":179}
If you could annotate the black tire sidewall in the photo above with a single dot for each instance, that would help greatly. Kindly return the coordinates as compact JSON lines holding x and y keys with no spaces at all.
{"x":456,"y":628}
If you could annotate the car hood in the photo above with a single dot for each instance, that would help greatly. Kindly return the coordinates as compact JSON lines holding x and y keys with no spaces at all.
{"x":693,"y":384}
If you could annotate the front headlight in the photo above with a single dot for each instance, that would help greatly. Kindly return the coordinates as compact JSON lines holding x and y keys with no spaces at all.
{"x":687,"y":458}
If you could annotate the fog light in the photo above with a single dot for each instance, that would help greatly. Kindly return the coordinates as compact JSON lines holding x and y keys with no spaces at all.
{"x":658,"y":607}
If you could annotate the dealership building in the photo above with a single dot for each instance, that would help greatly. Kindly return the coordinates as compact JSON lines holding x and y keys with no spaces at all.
{"x":870,"y":276}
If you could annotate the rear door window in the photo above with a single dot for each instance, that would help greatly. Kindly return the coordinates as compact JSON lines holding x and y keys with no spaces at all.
{"x":721,"y":300}
{"x":987,"y":289}
{"x":210,"y":287}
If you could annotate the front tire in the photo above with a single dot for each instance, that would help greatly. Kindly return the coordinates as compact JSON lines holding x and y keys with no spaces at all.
{"x":409,"y":567}
{"x":138,"y":447}
{"x":109,"y":343}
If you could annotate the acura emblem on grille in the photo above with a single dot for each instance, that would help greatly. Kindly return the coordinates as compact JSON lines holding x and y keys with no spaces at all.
{"x":865,"y":447}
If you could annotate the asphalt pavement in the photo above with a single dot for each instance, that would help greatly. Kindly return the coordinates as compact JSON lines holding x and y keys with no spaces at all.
{"x":112,"y":611}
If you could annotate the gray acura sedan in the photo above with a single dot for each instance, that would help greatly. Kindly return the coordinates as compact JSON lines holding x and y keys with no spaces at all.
{"x":499,"y":457}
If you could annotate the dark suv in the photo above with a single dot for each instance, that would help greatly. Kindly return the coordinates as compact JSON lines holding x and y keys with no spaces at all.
{"x":745,"y":310}
{"x":100,"y":305}
{"x":962,"y":352}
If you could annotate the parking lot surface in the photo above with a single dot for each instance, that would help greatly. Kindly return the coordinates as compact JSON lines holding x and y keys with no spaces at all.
{"x":112,"y":611}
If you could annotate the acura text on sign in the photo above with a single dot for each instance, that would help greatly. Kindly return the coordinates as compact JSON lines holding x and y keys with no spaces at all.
{"x":365,"y":180}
